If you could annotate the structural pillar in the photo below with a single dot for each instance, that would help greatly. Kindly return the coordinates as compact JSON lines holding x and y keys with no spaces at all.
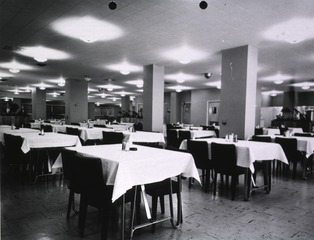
{"x":174,"y":107}
{"x":153,"y":98}
{"x":238,"y":91}
{"x":91,"y":110}
{"x":290,"y":100}
{"x":39,"y":104}
{"x":126,"y":104}
{"x":76,"y":103}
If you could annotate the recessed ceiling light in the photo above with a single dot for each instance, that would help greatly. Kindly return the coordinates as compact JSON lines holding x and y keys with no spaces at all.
{"x":54,"y":94}
{"x":305,"y":87}
{"x":14,"y":70}
{"x":41,"y":54}
{"x":16,"y":92}
{"x":184,"y":54}
{"x":278,"y":82}
{"x":88,"y":29}
{"x":178,"y":90}
{"x":180,"y":77}
{"x":293,"y":31}
{"x":103,"y":95}
{"x":97,"y":104}
{"x":42,"y":86}
{"x":125,"y":68}
{"x":110,"y":89}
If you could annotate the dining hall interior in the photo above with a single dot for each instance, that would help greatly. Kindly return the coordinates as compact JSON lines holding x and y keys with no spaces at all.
{"x":156,"y":119}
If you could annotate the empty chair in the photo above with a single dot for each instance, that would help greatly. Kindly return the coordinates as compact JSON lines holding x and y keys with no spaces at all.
{"x":112,"y":137}
{"x":16,"y":159}
{"x":199,"y":151}
{"x":159,"y":190}
{"x":73,"y":131}
{"x":263,"y":165}
{"x":138,"y":126}
{"x":69,"y":167}
{"x":304,"y":135}
{"x":172,"y":139}
{"x":290,"y":147}
{"x":258,"y":131}
{"x":184,"y":135}
{"x":95,"y":192}
{"x":261,"y":138}
{"x":46,"y":128}
{"x":224,"y":158}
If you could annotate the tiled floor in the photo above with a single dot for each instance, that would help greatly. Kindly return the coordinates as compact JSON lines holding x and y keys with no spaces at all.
{"x":37,"y":211}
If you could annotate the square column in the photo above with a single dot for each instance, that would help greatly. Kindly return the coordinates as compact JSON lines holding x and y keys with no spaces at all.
{"x":153,"y":98}
{"x":174,"y":107}
{"x":76,"y":103}
{"x":238,"y":91}
{"x":39,"y":104}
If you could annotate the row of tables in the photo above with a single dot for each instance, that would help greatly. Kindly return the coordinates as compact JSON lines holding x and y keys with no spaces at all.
{"x":125,"y":169}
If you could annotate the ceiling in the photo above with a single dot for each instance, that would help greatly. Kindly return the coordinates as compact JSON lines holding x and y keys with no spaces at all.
{"x":147,"y":32}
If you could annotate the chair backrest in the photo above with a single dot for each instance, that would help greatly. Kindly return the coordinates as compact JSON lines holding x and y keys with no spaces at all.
{"x":258,"y":131}
{"x":47,"y":128}
{"x":75,"y":123}
{"x":73,"y":131}
{"x":112,"y":137}
{"x":68,"y":164}
{"x":289,"y":146}
{"x":283,"y":130}
{"x":172,"y":138}
{"x":261,"y":138}
{"x":27,"y":125}
{"x":184,"y":135}
{"x":224,"y":157}
{"x":199,"y":151}
{"x":13,"y":151}
{"x":303,"y":135}
{"x":138,"y":126}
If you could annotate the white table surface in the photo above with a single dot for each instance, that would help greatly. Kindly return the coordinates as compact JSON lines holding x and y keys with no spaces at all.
{"x":125,"y":169}
{"x":146,"y":137}
{"x":8,"y":130}
{"x":271,"y":131}
{"x":248,"y":151}
{"x":49,"y":140}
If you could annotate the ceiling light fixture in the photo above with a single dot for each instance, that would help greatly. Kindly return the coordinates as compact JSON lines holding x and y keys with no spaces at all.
{"x":184,"y":61}
{"x":28,"y":89}
{"x":203,"y":5}
{"x":139,"y":85}
{"x":54,"y":94}
{"x":112,"y":5}
{"x":122,"y":94}
{"x":41,"y":59}
{"x":273,"y":94}
{"x":125,"y":72}
{"x":61,"y":82}
{"x":16,"y":92}
{"x":42,"y":86}
{"x":110,"y":89}
{"x":6,"y":99}
{"x":14,"y":70}
{"x":103,"y":95}
{"x":278,"y":82}
{"x":178,"y":90}
{"x":87,"y":78}
{"x":97,"y":104}
{"x":305,"y":87}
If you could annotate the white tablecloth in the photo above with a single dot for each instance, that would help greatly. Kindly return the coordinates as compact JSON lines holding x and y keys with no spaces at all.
{"x":271,"y":131}
{"x":304,"y":144}
{"x":248,"y":151}
{"x":120,"y":127}
{"x":146,"y":137}
{"x":8,"y":130}
{"x":295,"y":130}
{"x":49,"y":140}
{"x":125,"y":169}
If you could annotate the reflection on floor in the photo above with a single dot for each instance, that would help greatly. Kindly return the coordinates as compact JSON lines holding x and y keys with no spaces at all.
{"x":37,"y":211}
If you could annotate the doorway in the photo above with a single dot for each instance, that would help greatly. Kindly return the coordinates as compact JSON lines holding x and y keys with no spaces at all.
{"x":212,"y":112}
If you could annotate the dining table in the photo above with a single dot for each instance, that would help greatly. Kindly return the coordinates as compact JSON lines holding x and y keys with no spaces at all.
{"x":33,"y":142}
{"x":9,"y":130}
{"x":249,"y":152}
{"x":144,"y":165}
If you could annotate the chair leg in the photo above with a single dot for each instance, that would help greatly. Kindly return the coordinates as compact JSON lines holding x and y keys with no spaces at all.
{"x":233,"y":186}
{"x":207,"y":176}
{"x":105,"y":220}
{"x":154,"y":211}
{"x":215,"y":184}
{"x":82,"y":215}
{"x":294,"y":170}
{"x":70,"y":202}
{"x":162,"y":204}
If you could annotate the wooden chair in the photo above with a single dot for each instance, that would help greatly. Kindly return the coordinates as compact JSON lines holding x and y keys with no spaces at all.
{"x":199,"y":151}
{"x":224,"y":158}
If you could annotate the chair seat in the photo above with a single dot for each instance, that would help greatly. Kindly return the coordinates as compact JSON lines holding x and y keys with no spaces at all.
{"x":161,"y":188}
